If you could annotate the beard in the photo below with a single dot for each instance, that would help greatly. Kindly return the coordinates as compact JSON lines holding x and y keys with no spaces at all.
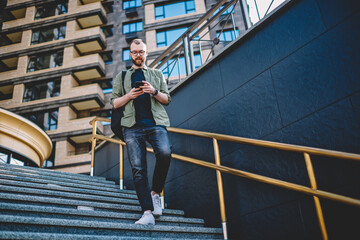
{"x":138,"y":61}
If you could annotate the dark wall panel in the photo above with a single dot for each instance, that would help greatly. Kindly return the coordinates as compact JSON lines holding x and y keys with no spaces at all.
{"x":304,"y":82}
{"x":280,"y":38}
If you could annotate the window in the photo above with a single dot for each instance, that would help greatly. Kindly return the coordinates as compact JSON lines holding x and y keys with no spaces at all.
{"x":41,"y":90}
{"x":171,"y":68}
{"x":166,"y":38}
{"x":8,"y":157}
{"x":45,"y":120}
{"x":227,"y":35}
{"x":132,"y":4}
{"x":48,"y":163}
{"x":106,"y":86}
{"x":132,"y":27}
{"x":126,"y":55}
{"x":174,"y":9}
{"x":49,"y":10}
{"x":104,"y":114}
{"x":228,"y":11}
{"x":107,"y":57}
{"x":47,"y":60}
{"x":108,"y":31}
{"x":48,"y":34}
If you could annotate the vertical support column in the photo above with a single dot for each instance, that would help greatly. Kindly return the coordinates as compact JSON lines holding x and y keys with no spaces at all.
{"x":245,"y":14}
{"x":313,"y":184}
{"x":186,"y":56}
{"x":121,"y":153}
{"x":93,"y":145}
{"x":220,"y":189}
{"x":200,"y":50}
{"x":162,"y":199}
{"x":234,"y":25}
{"x":191,"y":54}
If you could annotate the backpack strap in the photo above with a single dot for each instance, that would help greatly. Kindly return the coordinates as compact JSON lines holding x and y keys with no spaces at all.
{"x":123,"y":73}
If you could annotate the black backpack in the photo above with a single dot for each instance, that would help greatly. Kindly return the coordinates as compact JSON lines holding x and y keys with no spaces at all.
{"x":117,"y":114}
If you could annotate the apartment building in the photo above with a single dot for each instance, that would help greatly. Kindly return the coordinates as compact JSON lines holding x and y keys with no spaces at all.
{"x":58,"y":59}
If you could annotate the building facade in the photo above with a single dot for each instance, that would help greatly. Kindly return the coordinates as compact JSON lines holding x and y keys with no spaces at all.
{"x":58,"y":59}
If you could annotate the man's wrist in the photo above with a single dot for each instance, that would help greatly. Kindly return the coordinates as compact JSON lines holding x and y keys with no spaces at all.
{"x":155,"y":92}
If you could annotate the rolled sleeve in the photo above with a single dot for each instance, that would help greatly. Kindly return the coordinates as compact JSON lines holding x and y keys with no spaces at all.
{"x":116,"y":93}
{"x":164,"y":87}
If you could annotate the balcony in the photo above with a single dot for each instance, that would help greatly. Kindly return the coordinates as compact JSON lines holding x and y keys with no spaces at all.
{"x":86,"y":46}
{"x":131,"y":36}
{"x":16,"y":2}
{"x":88,"y":67}
{"x":94,"y":97}
{"x":131,"y":12}
{"x":93,"y":14}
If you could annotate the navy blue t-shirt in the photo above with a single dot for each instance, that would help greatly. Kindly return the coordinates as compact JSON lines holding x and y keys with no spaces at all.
{"x":144,"y":116}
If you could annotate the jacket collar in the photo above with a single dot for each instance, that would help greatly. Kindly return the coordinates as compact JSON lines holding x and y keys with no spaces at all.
{"x":144,"y":68}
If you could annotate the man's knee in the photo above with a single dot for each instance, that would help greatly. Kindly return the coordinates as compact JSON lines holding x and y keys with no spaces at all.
{"x":164,"y":154}
{"x":139,"y":173}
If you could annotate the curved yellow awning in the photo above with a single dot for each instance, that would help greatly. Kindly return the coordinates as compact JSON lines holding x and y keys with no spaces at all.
{"x":24,"y":137}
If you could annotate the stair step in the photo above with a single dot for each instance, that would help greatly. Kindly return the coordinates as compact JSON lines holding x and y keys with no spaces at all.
{"x":58,"y":236}
{"x":66,"y":195}
{"x":66,"y":213}
{"x":60,"y":182}
{"x":62,"y":179}
{"x":67,"y":226}
{"x":121,"y":193}
{"x":68,"y":203}
{"x":48,"y":172}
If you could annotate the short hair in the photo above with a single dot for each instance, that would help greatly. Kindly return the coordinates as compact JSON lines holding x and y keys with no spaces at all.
{"x":137,"y":41}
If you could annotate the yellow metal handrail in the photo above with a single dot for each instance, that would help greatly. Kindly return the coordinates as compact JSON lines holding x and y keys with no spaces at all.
{"x":313,"y":190}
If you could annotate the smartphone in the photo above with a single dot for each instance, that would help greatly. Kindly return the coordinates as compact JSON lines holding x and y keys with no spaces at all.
{"x":138,"y":84}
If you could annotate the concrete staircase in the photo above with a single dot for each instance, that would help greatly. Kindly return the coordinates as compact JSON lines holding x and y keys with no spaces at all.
{"x":45,"y":204}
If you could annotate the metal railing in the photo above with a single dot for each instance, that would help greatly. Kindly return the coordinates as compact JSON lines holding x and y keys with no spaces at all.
{"x":306,"y":151}
{"x":194,"y":38}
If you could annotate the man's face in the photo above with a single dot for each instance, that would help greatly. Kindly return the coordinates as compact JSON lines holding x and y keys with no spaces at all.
{"x":138,"y":54}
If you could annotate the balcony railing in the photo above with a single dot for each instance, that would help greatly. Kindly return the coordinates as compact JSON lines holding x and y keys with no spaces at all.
{"x":196,"y":36}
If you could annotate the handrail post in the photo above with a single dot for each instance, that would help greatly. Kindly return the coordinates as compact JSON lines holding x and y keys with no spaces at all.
{"x":93,"y":145}
{"x":313,"y":184}
{"x":220,"y":188}
{"x":121,"y":163}
{"x":162,"y":199}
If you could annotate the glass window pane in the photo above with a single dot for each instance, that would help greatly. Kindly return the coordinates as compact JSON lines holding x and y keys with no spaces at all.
{"x":159,"y":12}
{"x":16,"y":162}
{"x":126,"y":55}
{"x":174,"y":9}
{"x":126,"y":29}
{"x":160,"y":39}
{"x":132,"y":27}
{"x":173,"y":35}
{"x":139,"y":26}
{"x":190,"y":5}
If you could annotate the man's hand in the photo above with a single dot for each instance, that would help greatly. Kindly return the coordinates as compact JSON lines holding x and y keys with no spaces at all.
{"x":147,"y":88}
{"x":134,"y":93}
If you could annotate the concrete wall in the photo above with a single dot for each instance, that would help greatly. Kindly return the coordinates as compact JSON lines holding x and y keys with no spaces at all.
{"x":295,"y":79}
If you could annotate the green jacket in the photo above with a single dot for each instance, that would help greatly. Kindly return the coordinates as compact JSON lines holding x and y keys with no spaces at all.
{"x":157,"y":80}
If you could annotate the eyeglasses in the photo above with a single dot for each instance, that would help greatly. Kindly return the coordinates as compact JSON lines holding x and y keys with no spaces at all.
{"x":141,"y":53}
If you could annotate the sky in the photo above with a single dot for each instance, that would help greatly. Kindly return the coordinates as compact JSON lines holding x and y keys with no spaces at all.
{"x":262,"y":5}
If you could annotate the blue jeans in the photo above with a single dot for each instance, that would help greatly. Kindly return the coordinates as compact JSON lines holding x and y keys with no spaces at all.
{"x":135,"y":139}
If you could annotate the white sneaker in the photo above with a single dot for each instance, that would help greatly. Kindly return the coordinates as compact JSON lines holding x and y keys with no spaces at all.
{"x":157,"y":205}
{"x":146,"y":219}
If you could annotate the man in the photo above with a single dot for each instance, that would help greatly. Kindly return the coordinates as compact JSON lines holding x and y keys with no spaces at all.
{"x":145,"y":119}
